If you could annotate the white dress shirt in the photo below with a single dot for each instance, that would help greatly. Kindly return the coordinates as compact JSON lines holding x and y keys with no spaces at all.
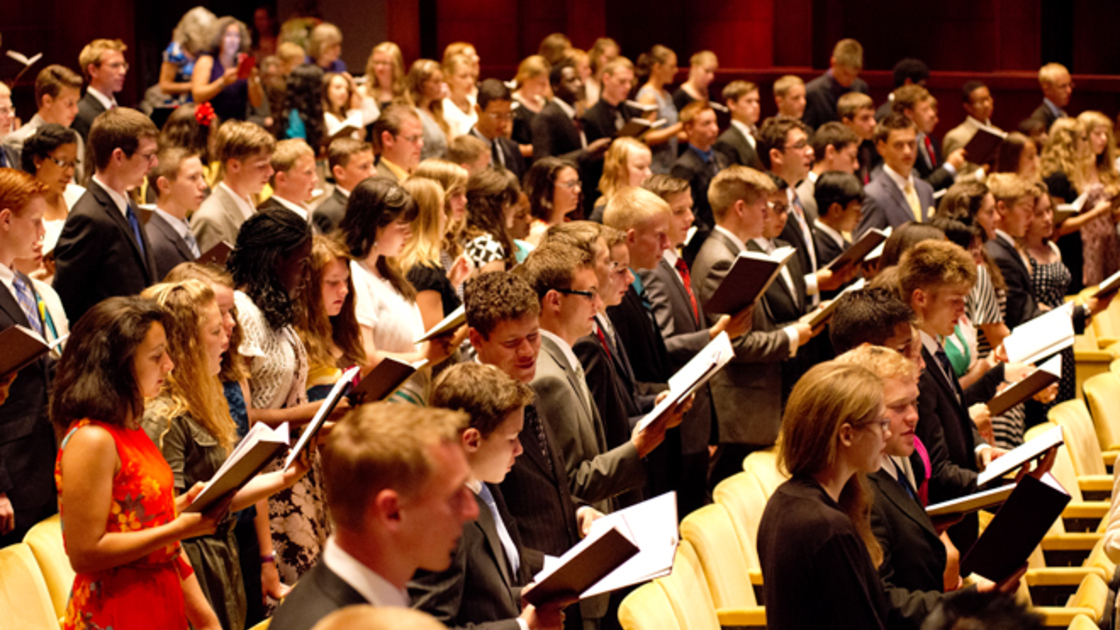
{"x":107,"y":101}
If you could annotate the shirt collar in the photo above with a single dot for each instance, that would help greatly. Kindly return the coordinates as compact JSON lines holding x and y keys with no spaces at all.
{"x":827,"y":229}
{"x":566,"y":108}
{"x":1005,"y":236}
{"x":747,"y":132}
{"x":1054,"y":109}
{"x":671,"y":257}
{"x":731,"y":235}
{"x":119,"y":199}
{"x":898,"y":180}
{"x":242,"y":202}
{"x":294,"y":207}
{"x":345,"y":193}
{"x":181,"y":226}
{"x":478,"y":134}
{"x":766,"y":244}
{"x":8,"y":279}
{"x":704,"y":155}
{"x":374,"y":588}
{"x":107,"y":101}
{"x":566,"y":349}
{"x":396,"y":168}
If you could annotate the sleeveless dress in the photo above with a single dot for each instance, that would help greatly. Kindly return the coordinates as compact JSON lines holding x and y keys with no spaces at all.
{"x":144,"y":593}
{"x":1049,"y":284}
{"x":232,"y":103}
{"x":1099,"y":242}
{"x":666,"y":153}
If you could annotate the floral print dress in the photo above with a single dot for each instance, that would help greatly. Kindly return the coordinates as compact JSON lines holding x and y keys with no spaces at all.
{"x":144,"y":593}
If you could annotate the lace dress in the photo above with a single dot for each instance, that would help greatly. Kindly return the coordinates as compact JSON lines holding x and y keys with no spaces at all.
{"x":278,"y":378}
{"x":1099,"y":242}
{"x":1049,"y":283}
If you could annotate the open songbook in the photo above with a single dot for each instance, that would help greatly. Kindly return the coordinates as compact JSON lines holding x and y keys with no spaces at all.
{"x":695,"y":373}
{"x":1042,"y":336}
{"x":749,"y":277}
{"x":344,"y":127}
{"x":384,"y":379}
{"x":1064,"y":211}
{"x":818,"y":317}
{"x":877,"y":253}
{"x":982,"y":147}
{"x":22,"y":347}
{"x":637,"y":127}
{"x":860,"y":249}
{"x":1039,"y":379}
{"x":1110,"y":285}
{"x":1020,"y":455}
{"x":340,"y":389}
{"x":647,"y":537}
{"x":249,"y":457}
{"x":448,"y":324}
{"x":970,"y":502}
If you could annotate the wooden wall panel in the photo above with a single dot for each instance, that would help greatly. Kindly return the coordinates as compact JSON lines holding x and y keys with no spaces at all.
{"x":491,"y":25}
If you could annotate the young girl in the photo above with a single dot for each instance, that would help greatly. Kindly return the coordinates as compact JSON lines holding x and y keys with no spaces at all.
{"x":458,"y":109}
{"x":342,"y":104}
{"x":328,"y":325}
{"x":554,"y":191}
{"x":660,"y":66}
{"x":626,"y":165}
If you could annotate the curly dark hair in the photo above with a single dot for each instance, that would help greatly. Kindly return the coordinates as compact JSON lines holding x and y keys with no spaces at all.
{"x":266,"y":239}
{"x":183,"y":130}
{"x":95,"y":378}
{"x":46,"y":138}
{"x":304,"y":96}
{"x":374,"y":204}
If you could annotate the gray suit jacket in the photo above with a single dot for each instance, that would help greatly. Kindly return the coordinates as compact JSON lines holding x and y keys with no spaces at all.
{"x":885,"y":205}
{"x":747,"y":392}
{"x":386,"y":172}
{"x":218,"y":219}
{"x":806,"y":192}
{"x":319,"y":593}
{"x":330,"y":211}
{"x":595,"y":474}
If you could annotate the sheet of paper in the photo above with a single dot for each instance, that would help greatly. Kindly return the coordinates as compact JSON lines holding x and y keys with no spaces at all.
{"x":653,"y":528}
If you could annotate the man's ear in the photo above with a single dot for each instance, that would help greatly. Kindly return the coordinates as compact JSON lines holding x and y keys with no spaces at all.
{"x":471,"y":440}
{"x":631,"y":236}
{"x":775,"y":157}
{"x":163,"y":185}
{"x":833,"y":208}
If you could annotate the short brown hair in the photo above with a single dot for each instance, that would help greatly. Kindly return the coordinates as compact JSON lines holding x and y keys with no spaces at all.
{"x":465,"y":149}
{"x":239,"y":140}
{"x":341,"y":150}
{"x":119,"y":128}
{"x":287,"y":153}
{"x":579,"y":234}
{"x":486,"y":394}
{"x":908,"y":97}
{"x":689,"y":113}
{"x":91,"y":54}
{"x":848,"y":53}
{"x":167,"y":165}
{"x":51,"y":81}
{"x":553,"y":266}
{"x":881,"y":361}
{"x":614,"y":65}
{"x":784,"y":83}
{"x":850,"y":104}
{"x":774,"y":132}
{"x":893,"y":121}
{"x":734,"y":183}
{"x":738,"y":89}
{"x":932,"y":264}
{"x":832,"y":134}
{"x":323,"y":35}
{"x":665,"y":185}
{"x":17,"y":189}
{"x":495,"y":297}
{"x":1010,"y":187}
{"x":392,"y":119}
{"x":387,"y":446}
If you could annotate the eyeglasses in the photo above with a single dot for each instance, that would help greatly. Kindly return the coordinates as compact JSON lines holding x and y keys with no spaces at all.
{"x":778,"y":207}
{"x":412,"y":139}
{"x":118,"y":65}
{"x":505,"y":116}
{"x":148,"y":157}
{"x":798,"y":146}
{"x":65,"y":163}
{"x":575,"y":183}
{"x":6,"y":111}
{"x":591,"y":294}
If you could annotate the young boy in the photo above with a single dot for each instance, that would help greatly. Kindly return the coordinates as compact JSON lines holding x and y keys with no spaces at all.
{"x":350,"y":162}
{"x":737,"y":144}
{"x":839,"y":198}
{"x":245,"y":152}
{"x":293,"y":177}
{"x":181,"y":186}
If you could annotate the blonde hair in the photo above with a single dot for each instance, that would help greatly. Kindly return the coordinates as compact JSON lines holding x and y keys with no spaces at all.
{"x":423,"y":247}
{"x":1105,"y":163}
{"x":233,"y":364}
{"x":453,"y":178}
{"x":1049,"y":73}
{"x":848,"y":53}
{"x":1065,"y":152}
{"x":421,"y":71}
{"x":287,"y":153}
{"x":531,"y":67}
{"x":826,"y":398}
{"x":190,"y":389}
{"x":291,"y":53}
{"x":91,"y":53}
{"x":397,"y":83}
{"x":1010,"y":187}
{"x":192,"y":32}
{"x":850,"y":104}
{"x":457,"y":48}
{"x":703,"y":58}
{"x":734,"y":183}
{"x":387,"y":446}
{"x":784,"y":83}
{"x":631,"y":207}
{"x":323,"y":35}
{"x":886,"y":363}
{"x":616,"y":165}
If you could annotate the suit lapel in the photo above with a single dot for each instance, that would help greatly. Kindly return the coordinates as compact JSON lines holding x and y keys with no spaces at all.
{"x":1014,"y":255}
{"x":489,"y":528}
{"x":10,"y":306}
{"x":169,"y":233}
{"x":678,"y":286}
{"x":588,"y":411}
{"x":115,"y":214}
{"x":939,"y":377}
{"x":534,"y":450}
{"x":892,"y":491}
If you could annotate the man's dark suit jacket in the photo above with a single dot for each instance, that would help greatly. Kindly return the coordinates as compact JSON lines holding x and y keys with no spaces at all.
{"x":318,"y":593}
{"x":556,"y":135}
{"x":885,"y":205}
{"x":793,"y":237}
{"x":1042,"y":113}
{"x":600,"y":122}
{"x":515,"y":163}
{"x":939,"y":177}
{"x":635,"y":327}
{"x":88,"y":109}
{"x":913,"y":555}
{"x":737,"y":150}
{"x":478,"y":590}
{"x":97,"y":256}
{"x":693,"y":169}
{"x":330,"y":212}
{"x":27,"y":447}
{"x":168,"y":248}
{"x":827,"y":248}
{"x":1021,"y":303}
{"x":788,"y":304}
{"x":821,"y":95}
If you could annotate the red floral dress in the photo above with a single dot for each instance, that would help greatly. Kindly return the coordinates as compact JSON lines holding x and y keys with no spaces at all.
{"x":144,"y":593}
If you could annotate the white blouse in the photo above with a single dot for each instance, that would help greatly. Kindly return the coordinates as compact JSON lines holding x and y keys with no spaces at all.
{"x":395,"y":321}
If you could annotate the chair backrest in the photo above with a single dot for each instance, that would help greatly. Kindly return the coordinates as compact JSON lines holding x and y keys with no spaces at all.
{"x":1080,"y":437}
{"x":688,"y":591}
{"x":45,"y":540}
{"x":1093,"y":593}
{"x":1102,"y":392}
{"x":764,"y":466}
{"x":1098,"y":558}
{"x":1083,"y":622}
{"x":647,"y":608}
{"x":263,"y":625}
{"x":745,"y":501}
{"x":1114,"y":367}
{"x":712,"y":535}
{"x":24,"y":599}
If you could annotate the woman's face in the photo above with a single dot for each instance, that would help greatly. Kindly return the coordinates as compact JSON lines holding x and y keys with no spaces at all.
{"x":610,"y":52}
{"x":457,"y":202}
{"x":334,"y":286}
{"x":338,"y":92}
{"x":291,"y":267}
{"x":666,"y":71}
{"x":869,"y":441}
{"x":986,"y":216}
{"x":383,"y":69}
{"x":1098,"y":139}
{"x":329,"y":53}
{"x":1042,"y":219}
{"x":522,"y":219}
{"x":537,"y":85}
{"x":1029,"y":163}
{"x":392,"y":237}
{"x":702,"y":76}
{"x":231,"y":40}
{"x":462,"y":80}
{"x":151,"y":363}
{"x":223,"y":295}
{"x":432,"y":87}
{"x":215,"y":339}
{"x":637,"y":167}
{"x":57,"y":170}
{"x":566,"y":191}
{"x":583,"y":68}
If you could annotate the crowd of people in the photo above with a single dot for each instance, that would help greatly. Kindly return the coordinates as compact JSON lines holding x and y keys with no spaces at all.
{"x":287,"y":220}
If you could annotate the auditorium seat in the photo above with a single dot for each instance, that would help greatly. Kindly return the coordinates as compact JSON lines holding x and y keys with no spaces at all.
{"x":725,"y":562}
{"x":24,"y":599}
{"x":1083,"y":622}
{"x":45,"y":540}
{"x":262,"y":625}
{"x":1084,"y":447}
{"x":1102,"y":394}
{"x":743,"y":498}
{"x":691,"y":599}
{"x":763,"y":465}
{"x":647,"y":608}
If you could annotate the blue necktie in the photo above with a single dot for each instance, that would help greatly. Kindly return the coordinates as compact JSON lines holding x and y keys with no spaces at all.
{"x":508,"y":547}
{"x":135,"y":223}
{"x":28,"y":303}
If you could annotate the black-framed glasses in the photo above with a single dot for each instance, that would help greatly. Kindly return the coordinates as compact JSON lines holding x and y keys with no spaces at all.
{"x":590,"y":294}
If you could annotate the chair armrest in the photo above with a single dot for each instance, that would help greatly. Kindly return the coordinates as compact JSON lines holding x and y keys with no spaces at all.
{"x":1061,"y":617}
{"x":1070,"y":541}
{"x":750,"y":616}
{"x":1110,"y":456}
{"x":1058,"y":576}
{"x":1086,"y":509}
{"x":1095,"y":483}
{"x":755,"y":576}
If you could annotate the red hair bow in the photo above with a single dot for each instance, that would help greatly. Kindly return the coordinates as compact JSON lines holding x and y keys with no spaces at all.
{"x":204,"y":114}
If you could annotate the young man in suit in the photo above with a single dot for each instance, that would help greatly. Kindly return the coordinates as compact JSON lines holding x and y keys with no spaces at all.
{"x":556,"y":130}
{"x":57,"y":91}
{"x":181,"y":187}
{"x":293,"y":177}
{"x":738,"y":143}
{"x":835,"y":148}
{"x":978,"y":105}
{"x":610,"y":113}
{"x":495,"y":124}
{"x":103,"y":251}
{"x":104,"y":67}
{"x":27,"y":451}
{"x":469,"y":152}
{"x":245,"y":153}
{"x":698,"y":164}
{"x":482,"y":587}
{"x":747,"y":392}
{"x":1057,"y":87}
{"x":402,"y":517}
{"x":895,"y":195}
{"x":907,"y":71}
{"x":822,"y":93}
{"x":789,"y":96}
{"x":840,"y":196}
{"x":398,"y":136}
{"x":857,"y":112}
{"x":350,"y":161}
{"x":916,"y":103}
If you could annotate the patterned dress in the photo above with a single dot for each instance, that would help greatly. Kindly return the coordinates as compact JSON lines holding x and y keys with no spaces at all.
{"x":278,"y":380}
{"x":664,"y":154}
{"x":1049,"y":284}
{"x":144,"y":593}
{"x":1099,"y":242}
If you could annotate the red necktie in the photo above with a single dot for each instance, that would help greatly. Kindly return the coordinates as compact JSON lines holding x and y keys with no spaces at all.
{"x":603,"y":341}
{"x":929,"y":152}
{"x":682,"y":269}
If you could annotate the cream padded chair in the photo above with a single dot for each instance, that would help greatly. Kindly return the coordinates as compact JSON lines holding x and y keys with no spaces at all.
{"x":45,"y":540}
{"x":647,"y":608}
{"x":25,"y":603}
{"x":1102,"y":393}
{"x":725,"y":562}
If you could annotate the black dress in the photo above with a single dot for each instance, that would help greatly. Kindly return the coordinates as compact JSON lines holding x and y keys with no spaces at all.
{"x":816,"y":571}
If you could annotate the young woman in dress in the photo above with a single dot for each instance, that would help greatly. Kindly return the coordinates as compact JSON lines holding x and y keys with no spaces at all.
{"x":492,"y":198}
{"x":425,"y":94}
{"x":215,"y":77}
{"x":189,"y":39}
{"x":626,"y":165}
{"x":1102,"y":181}
{"x":342,"y":103}
{"x":452,"y":178}
{"x":385,"y":76}
{"x":555,"y":190}
{"x":51,"y":155}
{"x":422,"y":255}
{"x":1019,"y":154}
{"x":602,"y":51}
{"x":701,"y":72}
{"x":660,"y":66}
{"x":529,"y":99}
{"x":458,"y":108}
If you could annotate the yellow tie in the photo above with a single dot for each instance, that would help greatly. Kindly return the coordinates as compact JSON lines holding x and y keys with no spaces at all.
{"x":912,"y":199}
